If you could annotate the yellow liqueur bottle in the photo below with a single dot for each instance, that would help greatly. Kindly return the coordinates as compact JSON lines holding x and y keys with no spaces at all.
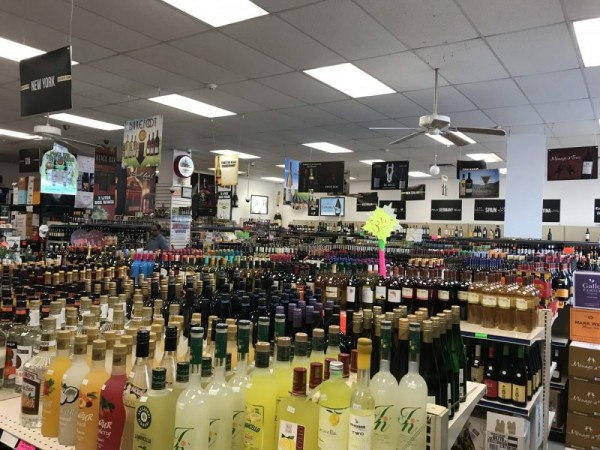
{"x":52,"y":384}
{"x":334,"y":410}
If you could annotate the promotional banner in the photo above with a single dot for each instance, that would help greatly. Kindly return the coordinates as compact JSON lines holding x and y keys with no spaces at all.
{"x":142,"y":142}
{"x":290,"y":175}
{"x":413,"y":193}
{"x":597,"y":210}
{"x":489,"y":210}
{"x":29,"y":160}
{"x":46,"y":82}
{"x":399,"y":207}
{"x":313,"y":205}
{"x":321,"y":176}
{"x":575,"y":163}
{"x":391,"y":175}
{"x":224,"y":205}
{"x":84,"y":198}
{"x":551,"y":211}
{"x":446,"y":209}
{"x":204,"y":201}
{"x":479,"y":184}
{"x":105,"y":183}
{"x":468,"y":165}
{"x":366,"y":201}
{"x":141,"y":190}
{"x":332,"y":206}
{"x":58,"y":172}
{"x":226,"y":170}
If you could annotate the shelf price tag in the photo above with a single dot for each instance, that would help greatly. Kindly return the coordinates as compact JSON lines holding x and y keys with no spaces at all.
{"x":481,"y":335}
{"x":8,"y":439}
{"x":25,"y":446}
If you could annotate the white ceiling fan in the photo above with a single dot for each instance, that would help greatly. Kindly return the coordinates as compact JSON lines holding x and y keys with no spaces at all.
{"x":51,"y":133}
{"x":437,"y":126}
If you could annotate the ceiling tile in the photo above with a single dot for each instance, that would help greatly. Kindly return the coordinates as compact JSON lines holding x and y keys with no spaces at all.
{"x":449,"y":100}
{"x":494,"y":94}
{"x":553,"y":87}
{"x":592,"y":76}
{"x":230,"y":102}
{"x":514,"y":115}
{"x":312,"y":116}
{"x":230,"y":54}
{"x":582,"y":9}
{"x":282,"y":5}
{"x":269,"y":121}
{"x":473,"y":118}
{"x":574,"y":128}
{"x":569,"y":111}
{"x":100,"y":94}
{"x":578,"y":141}
{"x":261,"y":94}
{"x":352,"y":111}
{"x":493,"y":17}
{"x":303,"y":87}
{"x":464,"y":62}
{"x":394,"y":105}
{"x":345,"y":28}
{"x":128,"y":86}
{"x":421,"y":24}
{"x":351,"y":131}
{"x":281,"y":41}
{"x":521,"y":52}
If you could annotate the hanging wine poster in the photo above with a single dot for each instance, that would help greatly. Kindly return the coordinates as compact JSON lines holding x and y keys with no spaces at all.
{"x":390,"y":175}
{"x":84,"y":198}
{"x":479,"y":184}
{"x":142,"y":142}
{"x":141,"y":190}
{"x":416,"y":192}
{"x":489,"y":210}
{"x":204,"y":199}
{"x":366,"y":201}
{"x":290,"y":175}
{"x":321,"y":177}
{"x":58,"y":172}
{"x":105,"y":183}
{"x":446,"y":209}
{"x":574,"y":163}
{"x":551,"y":210}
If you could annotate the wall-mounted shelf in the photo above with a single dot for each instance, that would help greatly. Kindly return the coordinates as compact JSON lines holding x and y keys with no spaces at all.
{"x":494,"y":334}
{"x":475,"y":392}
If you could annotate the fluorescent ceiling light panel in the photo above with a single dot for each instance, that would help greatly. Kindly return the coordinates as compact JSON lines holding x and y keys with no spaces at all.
{"x":418,"y":174}
{"x":587,"y":33}
{"x":464,"y":136}
{"x":487,"y":157}
{"x":281,"y":165}
{"x":327,"y":147}
{"x":219,"y":12}
{"x":85,"y":122}
{"x":16,"y":52}
{"x":274,"y":179}
{"x":441,"y":139}
{"x":192,"y":106}
{"x":233,"y":152}
{"x":352,"y":178}
{"x":370,"y":162}
{"x":502,"y":170}
{"x":350,"y":80}
{"x":18,"y":134}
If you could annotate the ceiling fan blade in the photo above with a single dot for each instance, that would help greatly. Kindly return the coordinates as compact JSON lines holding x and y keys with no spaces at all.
{"x":475,"y":130}
{"x":456,"y":140}
{"x":392,"y":128}
{"x":406,"y":138}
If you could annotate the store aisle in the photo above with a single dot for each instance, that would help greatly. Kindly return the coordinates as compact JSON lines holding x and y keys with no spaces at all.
{"x":555,"y":446}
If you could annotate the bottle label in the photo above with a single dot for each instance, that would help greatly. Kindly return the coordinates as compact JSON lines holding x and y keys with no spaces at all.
{"x":380,"y":292}
{"x":412,"y":423}
{"x":143,"y":417}
{"x":473,"y":297}
{"x":504,"y":390}
{"x":110,"y":314}
{"x":461,"y":383}
{"x":489,"y":300}
{"x":360,"y":431}
{"x":331,"y":292}
{"x":463,"y":296}
{"x":477,"y":374}
{"x":350,"y":294}
{"x":422,"y":294}
{"x":310,"y":285}
{"x":237,"y":426}
{"x":491,"y":387}
{"x":394,"y":295}
{"x":367,"y":295}
{"x":254,"y":428}
{"x":333,"y":427}
{"x":444,"y":296}
{"x":561,"y":293}
{"x":10,"y":365}
{"x":407,"y":292}
{"x":504,"y":302}
{"x":290,"y":436}
{"x":213,"y":431}
{"x":587,"y":167}
{"x":103,"y":311}
{"x":519,"y":394}
{"x":383,"y":426}
{"x":30,"y":393}
{"x":131,"y":394}
{"x":24,"y":354}
{"x":521,"y":304}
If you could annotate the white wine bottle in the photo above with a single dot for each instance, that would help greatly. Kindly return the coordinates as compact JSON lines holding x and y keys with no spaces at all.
{"x":362,"y":403}
{"x":220,"y":406}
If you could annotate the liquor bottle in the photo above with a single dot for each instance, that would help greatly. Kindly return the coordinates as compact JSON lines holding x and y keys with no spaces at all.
{"x":317,"y":353}
{"x":353,"y":290}
{"x":301,"y":351}
{"x":282,"y":369}
{"x":237,"y":384}
{"x":477,"y":366}
{"x":549,"y":234}
{"x":384,"y":389}
{"x":362,"y":402}
{"x":192,"y":416}
{"x":491,"y":375}
{"x":152,"y":418}
{"x":448,"y":387}
{"x":462,"y":188}
{"x":112,"y":410}
{"x":220,"y":405}
{"x":429,"y":366}
{"x":69,"y":401}
{"x":89,"y":398}
{"x":334,"y":410}
{"x":519,"y":379}
{"x":505,"y":378}
{"x":459,"y":348}
{"x":469,"y":186}
{"x":52,"y":384}
{"x":412,"y":398}
{"x":400,"y":357}
{"x":23,"y":340}
{"x":297,"y":417}
{"x":587,"y":234}
{"x":169,"y":359}
{"x":556,"y":359}
{"x":261,"y":402}
{"x":137,"y":384}
{"x":33,"y":376}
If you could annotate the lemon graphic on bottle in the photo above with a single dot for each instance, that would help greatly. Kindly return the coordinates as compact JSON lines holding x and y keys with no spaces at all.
{"x":287,"y":443}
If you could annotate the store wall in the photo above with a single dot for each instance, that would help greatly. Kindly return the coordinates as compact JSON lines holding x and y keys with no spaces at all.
{"x":256,"y":188}
{"x":9,"y":173}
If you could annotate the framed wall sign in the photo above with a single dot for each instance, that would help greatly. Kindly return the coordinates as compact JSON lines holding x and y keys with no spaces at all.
{"x":259,"y":204}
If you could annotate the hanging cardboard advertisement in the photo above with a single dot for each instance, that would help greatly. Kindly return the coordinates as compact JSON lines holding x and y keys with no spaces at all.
{"x":105,"y":183}
{"x":142,"y":142}
{"x":141,"y":190}
{"x":290,"y":175}
{"x":58,"y":172}
{"x":468,"y":166}
{"x":446,"y":209}
{"x":390,"y":175}
{"x":84,"y":198}
{"x":479,"y":184}
{"x":366,"y":201}
{"x":321,"y":177}
{"x":551,"y":210}
{"x":411,"y":193}
{"x":399,"y":207}
{"x":224,"y":205}
{"x":489,"y":210}
{"x":204,"y":200}
{"x":575,"y":163}
{"x":313,"y":205}
{"x":226,"y":170}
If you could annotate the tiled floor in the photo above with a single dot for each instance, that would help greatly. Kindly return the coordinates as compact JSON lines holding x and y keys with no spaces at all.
{"x":555,"y":446}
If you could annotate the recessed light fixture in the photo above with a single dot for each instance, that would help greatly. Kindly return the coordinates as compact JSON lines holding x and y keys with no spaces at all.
{"x":350,"y":80}
{"x":587,"y":33}
{"x":352,"y":178}
{"x":327,"y":147}
{"x":370,"y":162}
{"x":212,"y":169}
{"x":441,"y":139}
{"x":192,"y":106}
{"x":463,"y":136}
{"x":85,"y":122}
{"x":487,"y":157}
{"x":418,"y":174}
{"x":18,"y":134}
{"x":273,"y":179}
{"x":281,"y":165}
{"x":17,"y":52}
{"x":502,"y":170}
{"x":233,"y":152}
{"x":219,"y":12}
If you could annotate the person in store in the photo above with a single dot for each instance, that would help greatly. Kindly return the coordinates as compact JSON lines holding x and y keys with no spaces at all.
{"x":157,"y":241}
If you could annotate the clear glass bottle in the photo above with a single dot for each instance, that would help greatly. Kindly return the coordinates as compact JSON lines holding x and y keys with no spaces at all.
{"x":220,"y":400}
{"x":169,"y":359}
{"x":152,"y":417}
{"x":52,"y":385}
{"x":237,"y":384}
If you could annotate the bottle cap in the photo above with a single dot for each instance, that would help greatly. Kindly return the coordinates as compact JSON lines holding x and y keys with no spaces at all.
{"x":183,"y":372}
{"x":299,"y":381}
{"x":316,"y":374}
{"x":327,"y":371}
{"x":353,"y":360}
{"x":63,"y":339}
{"x":98,"y":350}
{"x":319,"y":333}
{"x":344,"y":358}
{"x":336,"y":369}
{"x":159,"y":378}
{"x":80,"y":347}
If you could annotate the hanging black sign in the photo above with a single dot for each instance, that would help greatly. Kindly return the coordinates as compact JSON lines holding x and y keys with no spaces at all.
{"x":204,"y":198}
{"x":597,"y":211}
{"x":446,"y":209}
{"x":399,"y":207}
{"x":577,"y":163}
{"x":414,"y":193}
{"x":489,"y":210}
{"x":390,"y":175}
{"x":466,"y":165}
{"x":321,"y":177}
{"x":29,"y":160}
{"x":551,"y":211}
{"x":46,"y":82}
{"x":366,"y":201}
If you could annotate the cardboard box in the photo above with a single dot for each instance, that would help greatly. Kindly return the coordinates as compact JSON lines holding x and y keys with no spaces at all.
{"x":505,"y":432}
{"x":584,"y":398}
{"x":30,"y":183}
{"x":583,"y":433}
{"x":477,"y":431}
{"x":22,"y":185}
{"x":584,"y":361}
{"x":36,"y":191}
{"x":556,"y":405}
{"x":585,"y":325}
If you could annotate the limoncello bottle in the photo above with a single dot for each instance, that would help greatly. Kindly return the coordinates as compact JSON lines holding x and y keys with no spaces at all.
{"x":69,"y":398}
{"x":301,"y":351}
{"x":153,"y":422}
{"x":220,"y":405}
{"x":282,"y":369}
{"x":362,"y":403}
{"x":52,"y":384}
{"x":237,"y":384}
{"x":334,"y":410}
{"x":169,"y":359}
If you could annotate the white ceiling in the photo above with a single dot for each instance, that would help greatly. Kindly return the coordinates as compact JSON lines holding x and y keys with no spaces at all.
{"x":508,"y":63}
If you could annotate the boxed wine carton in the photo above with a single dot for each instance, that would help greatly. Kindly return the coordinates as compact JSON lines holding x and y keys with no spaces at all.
{"x":585,"y":324}
{"x":584,"y":361}
{"x":584,"y":398}
{"x":22,"y":192}
{"x":556,"y":404}
{"x":583,"y":432}
{"x":504,"y":432}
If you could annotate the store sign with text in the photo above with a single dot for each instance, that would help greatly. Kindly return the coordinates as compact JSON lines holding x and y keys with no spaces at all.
{"x":84,"y":198}
{"x":469,"y":165}
{"x":597,"y":210}
{"x":142,"y":142}
{"x":489,"y":210}
{"x":416,"y":192}
{"x":325,"y":176}
{"x":390,"y":175}
{"x":575,"y":163}
{"x":399,"y":207}
{"x":226,"y":170}
{"x":105,"y":186}
{"x":366,"y":201}
{"x":204,"y":198}
{"x":446,"y":209}
{"x":551,"y":210}
{"x":141,"y":190}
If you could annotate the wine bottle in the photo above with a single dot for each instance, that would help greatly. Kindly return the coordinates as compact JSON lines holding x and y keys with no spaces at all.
{"x":505,"y":378}
{"x":477,"y":366}
{"x":519,"y":379}
{"x":429,"y":366}
{"x":362,"y":402}
{"x":491,"y":375}
{"x":152,"y":418}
